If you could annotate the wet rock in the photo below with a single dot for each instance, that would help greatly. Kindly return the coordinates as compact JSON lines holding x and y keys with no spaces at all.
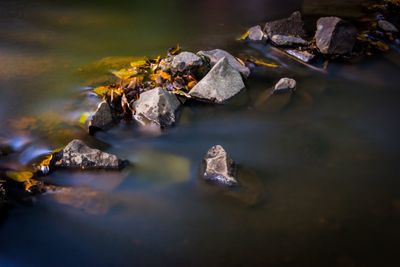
{"x":256,"y":34}
{"x":217,"y":54}
{"x":2,"y":196}
{"x":387,"y":26}
{"x":156,"y":106}
{"x":101,"y":119}
{"x":185,"y":61}
{"x":219,"y":167}
{"x":335,"y":36}
{"x":78,"y":155}
{"x":292,"y":26}
{"x":220,"y":84}
{"x":283,"y":40}
{"x":285,"y":85}
{"x":304,"y":56}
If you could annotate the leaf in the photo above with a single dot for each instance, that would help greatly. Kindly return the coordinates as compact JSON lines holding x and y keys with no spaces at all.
{"x":84,"y":117}
{"x":20,"y":177}
{"x":124,"y":74}
{"x":139,"y":63}
{"x":174,"y":50}
{"x":101,"y":90}
{"x":264,"y":63}
{"x":181,"y":93}
{"x":244,"y":36}
{"x":191,"y":84}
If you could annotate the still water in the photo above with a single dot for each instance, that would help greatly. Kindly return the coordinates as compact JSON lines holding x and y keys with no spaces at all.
{"x":321,"y":169}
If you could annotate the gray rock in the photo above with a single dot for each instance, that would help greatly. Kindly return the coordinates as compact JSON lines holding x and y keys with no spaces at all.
{"x":292,"y":26}
{"x":256,"y":34}
{"x":156,"y":106}
{"x":283,"y":40}
{"x":101,"y":119}
{"x":3,"y":196}
{"x":185,"y":61}
{"x":304,"y":56}
{"x":220,"y":84}
{"x":387,"y":26}
{"x":335,"y":36}
{"x":285,"y":85}
{"x":217,"y":54}
{"x":219,"y":167}
{"x":77,"y":155}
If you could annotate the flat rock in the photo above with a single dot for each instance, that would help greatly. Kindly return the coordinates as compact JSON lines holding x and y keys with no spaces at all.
{"x":291,"y":26}
{"x":219,"y":167}
{"x":101,"y":119}
{"x":285,"y":85}
{"x":220,"y":84}
{"x":217,"y":54}
{"x":156,"y":106}
{"x":283,"y":40}
{"x":256,"y":34}
{"x":387,"y":26}
{"x":335,"y":36}
{"x":185,"y":61}
{"x":77,"y":155}
{"x":304,"y":56}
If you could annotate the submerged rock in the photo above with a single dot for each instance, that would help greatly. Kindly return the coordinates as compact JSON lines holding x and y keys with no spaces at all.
{"x":78,"y":155}
{"x":217,"y":54}
{"x":156,"y":106}
{"x":185,"y":61}
{"x":283,"y":40}
{"x":220,"y":84}
{"x":292,"y":26}
{"x":335,"y":36}
{"x":304,"y":56}
{"x":256,"y":34}
{"x":285,"y":85}
{"x":387,"y":26}
{"x":219,"y":167}
{"x":101,"y":119}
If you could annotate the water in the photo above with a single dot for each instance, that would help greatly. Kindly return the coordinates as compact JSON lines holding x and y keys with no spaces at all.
{"x":320,"y":169}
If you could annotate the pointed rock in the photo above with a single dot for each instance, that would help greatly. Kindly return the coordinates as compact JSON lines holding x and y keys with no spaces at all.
{"x":256,"y":34}
{"x":186,"y":60}
{"x":220,"y":84}
{"x":217,"y":54}
{"x":387,"y":26}
{"x":292,"y":26}
{"x":156,"y":106}
{"x":285,"y":85}
{"x":219,"y":167}
{"x":101,"y":119}
{"x":304,"y":56}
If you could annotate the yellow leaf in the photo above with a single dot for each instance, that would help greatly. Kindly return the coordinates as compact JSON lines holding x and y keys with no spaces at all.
{"x":181,"y":93}
{"x":244,"y":36}
{"x":20,"y":177}
{"x":101,"y":90}
{"x":174,"y":50}
{"x":29,"y":184}
{"x":139,"y":63}
{"x":264,"y":63}
{"x":124,"y":74}
{"x":83,"y":118}
{"x":191,"y":84}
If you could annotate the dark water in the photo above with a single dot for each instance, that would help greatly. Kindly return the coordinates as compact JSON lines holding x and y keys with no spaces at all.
{"x":321,"y":169}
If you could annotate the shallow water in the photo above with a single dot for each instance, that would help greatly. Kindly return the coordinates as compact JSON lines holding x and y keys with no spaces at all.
{"x":320,"y":169}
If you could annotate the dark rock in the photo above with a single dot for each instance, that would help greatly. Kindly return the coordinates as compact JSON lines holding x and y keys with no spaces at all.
{"x":256,"y":34}
{"x":285,"y":85}
{"x":101,"y":119}
{"x":220,"y":84}
{"x":304,"y":56}
{"x":217,"y":54}
{"x":335,"y":36}
{"x":387,"y":26}
{"x":78,"y":155}
{"x":219,"y":167}
{"x":292,"y":26}
{"x":283,"y":40}
{"x":2,"y":196}
{"x":156,"y":106}
{"x":185,"y":61}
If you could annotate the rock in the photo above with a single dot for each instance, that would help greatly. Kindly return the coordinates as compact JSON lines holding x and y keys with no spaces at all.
{"x":220,"y":84}
{"x":2,"y":196}
{"x":156,"y":106}
{"x":304,"y":56}
{"x":285,"y":85}
{"x":101,"y":119}
{"x":292,"y":26}
{"x":335,"y":36}
{"x":219,"y":167}
{"x":78,"y":155}
{"x":185,"y":61}
{"x":387,"y":26}
{"x":283,"y":40}
{"x":256,"y":34}
{"x":217,"y":54}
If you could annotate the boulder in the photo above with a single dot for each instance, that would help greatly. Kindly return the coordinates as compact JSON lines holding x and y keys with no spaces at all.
{"x":219,"y":167}
{"x":304,"y":56}
{"x":283,"y":40}
{"x":220,"y":84}
{"x":256,"y":34}
{"x":101,"y":119}
{"x":217,"y":54}
{"x":335,"y":36}
{"x":285,"y":85}
{"x":387,"y":26}
{"x":77,"y":155}
{"x":186,"y":61}
{"x":291,"y":26}
{"x":156,"y":106}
